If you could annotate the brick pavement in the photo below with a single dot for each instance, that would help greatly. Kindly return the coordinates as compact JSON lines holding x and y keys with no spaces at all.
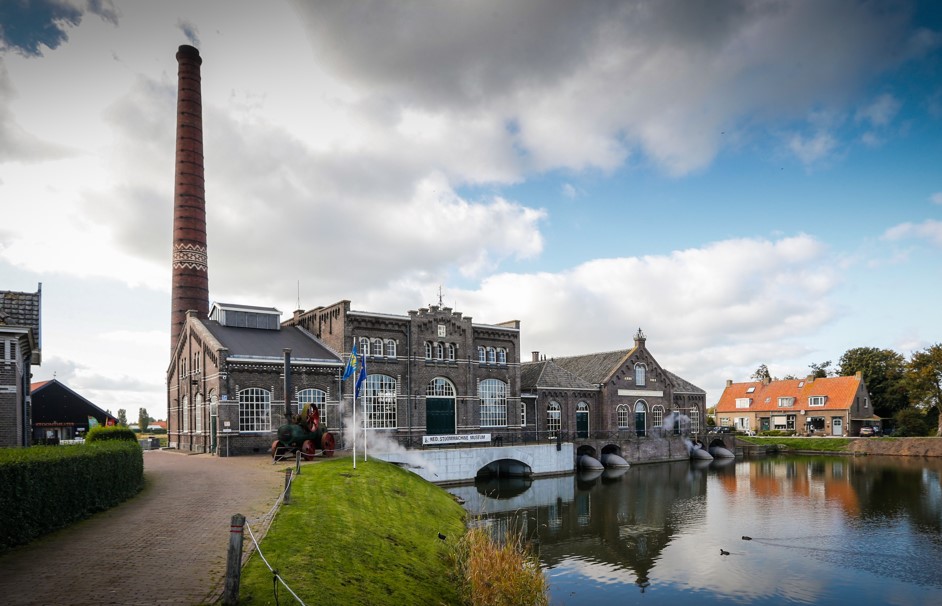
{"x":165,"y":546}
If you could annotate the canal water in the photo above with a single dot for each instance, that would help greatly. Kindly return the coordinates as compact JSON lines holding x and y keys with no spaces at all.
{"x":769,"y":531}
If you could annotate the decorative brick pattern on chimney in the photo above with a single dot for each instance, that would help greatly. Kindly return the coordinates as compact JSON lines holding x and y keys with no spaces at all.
{"x":190,"y":289}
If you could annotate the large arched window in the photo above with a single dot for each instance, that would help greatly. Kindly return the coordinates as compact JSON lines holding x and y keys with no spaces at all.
{"x":198,"y":412}
{"x":254,"y":410}
{"x":440,"y":388}
{"x":390,"y":348}
{"x":379,"y":399}
{"x":186,"y":415}
{"x":493,"y":396}
{"x":552,"y":419}
{"x":640,"y":372}
{"x":694,"y":420}
{"x":582,"y":420}
{"x":624,"y":416}
{"x":657,"y":417}
{"x":641,"y":421}
{"x":313,"y":397}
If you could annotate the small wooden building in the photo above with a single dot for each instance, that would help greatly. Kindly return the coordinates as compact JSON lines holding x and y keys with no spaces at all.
{"x":61,"y":414}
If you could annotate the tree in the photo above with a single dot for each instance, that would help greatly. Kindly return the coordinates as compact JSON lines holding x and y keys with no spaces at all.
{"x":910,"y":422}
{"x":762,"y":373}
{"x":883,"y":371}
{"x":924,"y":380}
{"x":142,"y":419}
{"x":122,"y":417}
{"x":822,"y":370}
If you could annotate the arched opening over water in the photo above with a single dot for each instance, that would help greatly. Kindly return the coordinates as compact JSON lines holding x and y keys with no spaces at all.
{"x":505,"y":468}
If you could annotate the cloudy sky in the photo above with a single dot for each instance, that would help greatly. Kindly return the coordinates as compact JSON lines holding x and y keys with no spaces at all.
{"x":754,"y":182}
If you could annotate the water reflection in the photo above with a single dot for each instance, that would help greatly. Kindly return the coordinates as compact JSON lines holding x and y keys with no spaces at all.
{"x":822,"y":530}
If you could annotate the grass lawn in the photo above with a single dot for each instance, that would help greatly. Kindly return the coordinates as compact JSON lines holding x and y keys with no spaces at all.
{"x":821,"y":444}
{"x":359,"y":536}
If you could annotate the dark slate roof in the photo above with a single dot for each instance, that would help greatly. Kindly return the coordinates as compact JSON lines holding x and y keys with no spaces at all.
{"x":594,"y":368}
{"x":259,"y":343}
{"x":20,"y":309}
{"x":55,"y":401}
{"x":549,"y":375}
{"x":683,"y":385}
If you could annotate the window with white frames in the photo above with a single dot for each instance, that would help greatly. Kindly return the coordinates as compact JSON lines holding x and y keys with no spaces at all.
{"x":657,"y":415}
{"x":428,"y":350}
{"x":816,"y":401}
{"x":553,"y":416}
{"x":379,"y":398}
{"x":390,"y":348}
{"x":694,"y":420}
{"x":439,"y":351}
{"x":501,"y":355}
{"x":492,"y":394}
{"x":314,"y":397}
{"x":450,"y":352}
{"x":624,"y":416}
{"x":491,"y":355}
{"x":198,"y":412}
{"x":364,"y":346}
{"x":786,"y":402}
{"x":743,"y":402}
{"x":481,"y":355}
{"x":377,"y":347}
{"x":185,"y":412}
{"x":254,"y":410}
{"x":523,"y":414}
{"x":640,"y":374}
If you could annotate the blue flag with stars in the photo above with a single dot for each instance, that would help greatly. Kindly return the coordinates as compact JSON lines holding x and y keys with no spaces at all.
{"x":352,"y":364}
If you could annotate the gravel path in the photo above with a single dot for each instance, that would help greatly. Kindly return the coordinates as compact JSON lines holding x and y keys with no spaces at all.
{"x":165,"y":546}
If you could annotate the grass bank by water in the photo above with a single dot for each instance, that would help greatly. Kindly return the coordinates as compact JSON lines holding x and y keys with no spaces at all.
{"x":362,"y":536}
{"x":820,"y":444}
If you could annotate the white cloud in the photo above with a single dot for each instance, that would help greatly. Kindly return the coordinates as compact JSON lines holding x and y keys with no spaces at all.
{"x":928,"y":230}
{"x":811,"y":150}
{"x":881,"y":112}
{"x":936,"y":198}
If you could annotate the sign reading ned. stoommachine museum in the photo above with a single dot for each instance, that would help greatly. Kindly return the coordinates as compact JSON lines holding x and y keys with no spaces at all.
{"x":456,"y":439}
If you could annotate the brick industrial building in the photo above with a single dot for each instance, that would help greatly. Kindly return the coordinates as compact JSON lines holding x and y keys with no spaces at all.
{"x":20,"y":349}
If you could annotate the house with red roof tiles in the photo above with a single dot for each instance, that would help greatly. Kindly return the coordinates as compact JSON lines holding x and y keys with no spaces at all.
{"x":833,"y":406}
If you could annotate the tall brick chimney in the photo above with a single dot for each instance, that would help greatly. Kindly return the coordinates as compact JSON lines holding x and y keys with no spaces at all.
{"x":190,"y":289}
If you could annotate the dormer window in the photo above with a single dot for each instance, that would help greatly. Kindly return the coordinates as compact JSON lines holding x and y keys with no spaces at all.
{"x":786,"y":402}
{"x":743,"y":402}
{"x":816,"y":400}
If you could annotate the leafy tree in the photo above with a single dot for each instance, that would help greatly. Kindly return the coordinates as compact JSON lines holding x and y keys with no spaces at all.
{"x":883,"y":371}
{"x":142,"y":419}
{"x":822,"y":370}
{"x":910,"y":422}
{"x":924,"y":380}
{"x":122,"y":417}
{"x":762,"y":373}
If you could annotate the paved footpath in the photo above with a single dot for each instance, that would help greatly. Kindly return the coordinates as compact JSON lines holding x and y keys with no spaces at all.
{"x":167,"y":545}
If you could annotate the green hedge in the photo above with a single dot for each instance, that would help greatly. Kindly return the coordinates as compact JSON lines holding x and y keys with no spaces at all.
{"x":43,"y":488}
{"x":102,"y":433}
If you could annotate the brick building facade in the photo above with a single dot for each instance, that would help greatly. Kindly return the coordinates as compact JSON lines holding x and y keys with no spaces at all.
{"x":20,"y":349}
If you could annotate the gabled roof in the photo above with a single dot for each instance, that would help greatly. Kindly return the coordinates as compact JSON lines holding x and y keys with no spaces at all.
{"x":595,"y":368}
{"x":839,"y":394}
{"x":22,"y":310}
{"x":255,"y":344}
{"x":46,"y":394}
{"x":549,"y":375}
{"x":682,"y":385}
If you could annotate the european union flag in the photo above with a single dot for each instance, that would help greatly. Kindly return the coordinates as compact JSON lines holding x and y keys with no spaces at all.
{"x":351,"y":364}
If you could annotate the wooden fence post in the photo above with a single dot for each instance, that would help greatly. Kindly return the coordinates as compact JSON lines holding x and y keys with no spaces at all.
{"x":230,"y":594}
{"x":288,"y":485}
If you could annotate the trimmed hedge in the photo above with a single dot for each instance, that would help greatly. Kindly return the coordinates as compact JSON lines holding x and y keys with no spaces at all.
{"x":43,"y":488}
{"x":101,"y":433}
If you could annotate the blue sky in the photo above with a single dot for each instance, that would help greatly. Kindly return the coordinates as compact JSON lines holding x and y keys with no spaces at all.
{"x":748,"y":182}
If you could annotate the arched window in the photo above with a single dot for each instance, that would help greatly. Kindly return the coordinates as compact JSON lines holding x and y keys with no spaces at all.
{"x":254,"y":409}
{"x":640,"y":374}
{"x":641,"y":421}
{"x":501,"y":356}
{"x":657,"y":417}
{"x":440,"y":388}
{"x":491,"y":355}
{"x":450,"y":352}
{"x":377,"y":347}
{"x":439,"y":351}
{"x":493,"y":396}
{"x":186,"y":415}
{"x":694,"y":420}
{"x":364,"y":346}
{"x":198,"y":412}
{"x":313,"y":397}
{"x":390,"y":348}
{"x":582,"y":420}
{"x":624,"y":419}
{"x":379,"y":397}
{"x":552,"y":419}
{"x":481,"y":355}
{"x":428,"y":350}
